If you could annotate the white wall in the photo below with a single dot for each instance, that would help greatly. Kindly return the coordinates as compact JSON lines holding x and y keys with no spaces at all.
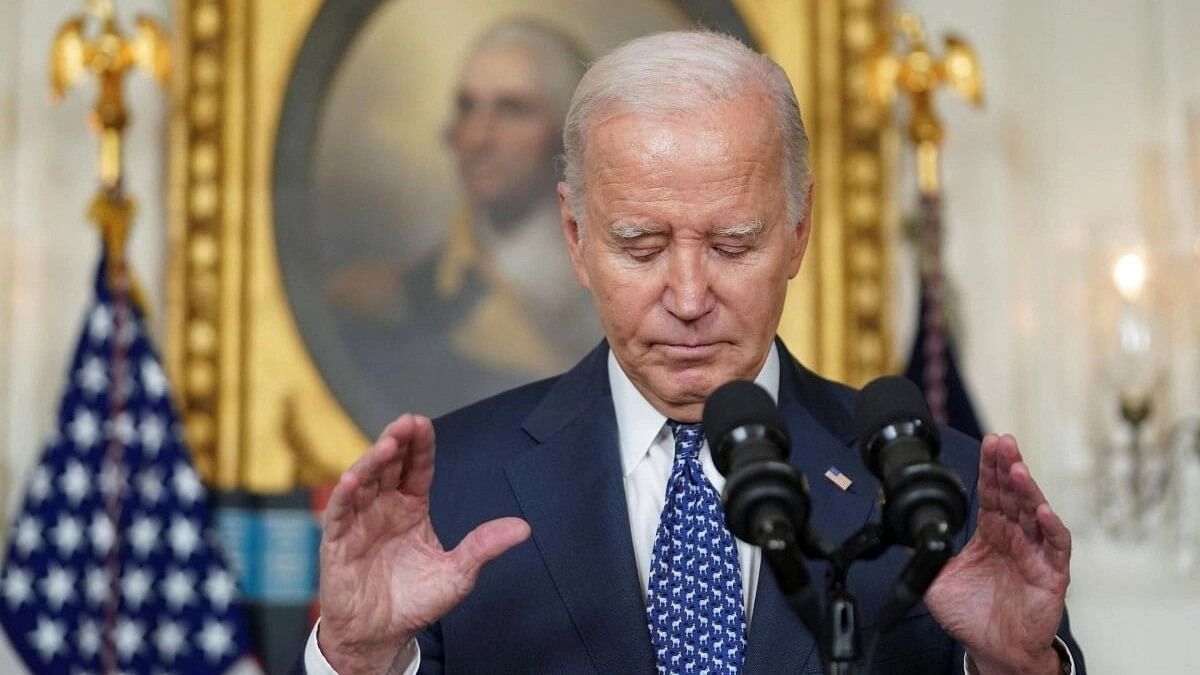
{"x":1039,"y":186}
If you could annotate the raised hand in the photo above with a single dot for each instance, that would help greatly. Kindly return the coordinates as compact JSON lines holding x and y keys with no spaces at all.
{"x":384,"y":574}
{"x":1002,"y":596}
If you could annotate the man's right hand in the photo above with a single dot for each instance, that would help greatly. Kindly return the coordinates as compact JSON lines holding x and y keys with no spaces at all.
{"x":384,"y":574}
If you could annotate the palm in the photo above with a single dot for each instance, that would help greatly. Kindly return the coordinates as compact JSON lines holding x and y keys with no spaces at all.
{"x":384,"y":573}
{"x":1002,"y":596}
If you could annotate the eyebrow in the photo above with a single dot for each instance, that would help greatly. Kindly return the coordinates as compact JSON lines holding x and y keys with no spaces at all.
{"x":750,"y":228}
{"x":627,"y":231}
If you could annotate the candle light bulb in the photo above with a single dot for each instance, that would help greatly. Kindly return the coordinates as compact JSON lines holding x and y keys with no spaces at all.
{"x":1129,"y":275}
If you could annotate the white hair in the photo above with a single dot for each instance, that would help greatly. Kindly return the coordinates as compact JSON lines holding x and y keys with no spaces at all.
{"x":561,"y":61}
{"x":682,"y":71}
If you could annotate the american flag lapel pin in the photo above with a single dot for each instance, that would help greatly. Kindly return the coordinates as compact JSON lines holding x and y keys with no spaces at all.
{"x":838,"y":478}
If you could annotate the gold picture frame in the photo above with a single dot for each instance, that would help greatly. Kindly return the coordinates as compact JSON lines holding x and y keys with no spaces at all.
{"x":258,"y":414}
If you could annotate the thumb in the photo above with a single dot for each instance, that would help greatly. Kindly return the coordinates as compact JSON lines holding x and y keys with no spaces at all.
{"x":486,"y":542}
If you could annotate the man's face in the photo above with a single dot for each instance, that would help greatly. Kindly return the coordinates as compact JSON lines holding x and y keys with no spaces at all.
{"x":504,"y":132}
{"x":687,"y":247}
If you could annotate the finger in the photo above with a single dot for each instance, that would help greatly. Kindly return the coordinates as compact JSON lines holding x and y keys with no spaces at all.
{"x":400,"y":433}
{"x":1030,"y":497}
{"x":370,"y":465}
{"x":988,"y":482}
{"x":418,"y":470}
{"x":1007,"y":456}
{"x":359,"y":484}
{"x":394,"y":427}
{"x":339,"y":511}
{"x":371,"y":473}
{"x":1056,"y":533}
{"x":1027,"y":486}
{"x":486,"y":542}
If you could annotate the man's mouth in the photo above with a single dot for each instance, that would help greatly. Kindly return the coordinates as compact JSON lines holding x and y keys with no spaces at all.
{"x":690,"y":350}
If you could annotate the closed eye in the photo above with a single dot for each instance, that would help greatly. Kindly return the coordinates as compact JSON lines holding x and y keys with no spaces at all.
{"x":731,"y":251}
{"x":643,"y":254}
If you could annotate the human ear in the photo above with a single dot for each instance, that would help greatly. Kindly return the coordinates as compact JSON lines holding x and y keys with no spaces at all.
{"x":573,"y":233}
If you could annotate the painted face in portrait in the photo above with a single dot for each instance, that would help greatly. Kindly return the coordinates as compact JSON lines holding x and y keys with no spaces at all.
{"x":687,"y":246}
{"x":505,"y":132}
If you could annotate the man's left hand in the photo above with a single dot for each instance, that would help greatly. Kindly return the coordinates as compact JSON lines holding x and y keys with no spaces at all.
{"x":1002,"y":596}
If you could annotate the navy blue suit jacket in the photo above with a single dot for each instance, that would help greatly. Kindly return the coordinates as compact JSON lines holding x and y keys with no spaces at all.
{"x":569,"y":600}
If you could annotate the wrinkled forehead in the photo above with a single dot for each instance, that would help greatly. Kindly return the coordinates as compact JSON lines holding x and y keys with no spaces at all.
{"x":739,"y":129}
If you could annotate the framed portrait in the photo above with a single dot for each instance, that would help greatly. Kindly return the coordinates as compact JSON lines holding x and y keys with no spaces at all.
{"x":364,"y":219}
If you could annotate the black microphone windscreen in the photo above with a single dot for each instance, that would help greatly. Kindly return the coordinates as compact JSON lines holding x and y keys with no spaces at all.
{"x":888,"y":400}
{"x":737,"y":403}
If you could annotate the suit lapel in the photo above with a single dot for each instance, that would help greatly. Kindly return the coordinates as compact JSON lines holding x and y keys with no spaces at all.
{"x":822,"y":436}
{"x":571,"y":492}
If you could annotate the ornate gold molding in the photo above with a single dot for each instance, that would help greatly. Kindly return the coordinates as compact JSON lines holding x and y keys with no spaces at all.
{"x":867,"y":205}
{"x":199,"y":256}
{"x":257,"y":413}
{"x":838,"y":317}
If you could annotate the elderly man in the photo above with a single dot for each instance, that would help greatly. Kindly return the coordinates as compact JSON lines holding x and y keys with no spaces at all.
{"x":686,"y":210}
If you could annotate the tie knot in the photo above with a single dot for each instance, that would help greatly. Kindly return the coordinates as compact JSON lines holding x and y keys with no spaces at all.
{"x":688,"y":439}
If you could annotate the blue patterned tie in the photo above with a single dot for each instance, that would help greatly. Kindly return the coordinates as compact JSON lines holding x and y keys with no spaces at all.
{"x":694,"y":603}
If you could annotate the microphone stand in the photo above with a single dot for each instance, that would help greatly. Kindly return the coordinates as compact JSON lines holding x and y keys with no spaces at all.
{"x":835,"y":622}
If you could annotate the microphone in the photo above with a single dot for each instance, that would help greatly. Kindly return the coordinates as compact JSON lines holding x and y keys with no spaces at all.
{"x":766,"y":499}
{"x":900,"y":444}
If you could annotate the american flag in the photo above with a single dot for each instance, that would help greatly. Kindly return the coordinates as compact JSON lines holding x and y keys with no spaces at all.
{"x":838,"y":478}
{"x":113,"y":564}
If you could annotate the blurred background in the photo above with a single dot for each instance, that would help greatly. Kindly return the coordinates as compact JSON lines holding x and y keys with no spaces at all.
{"x":1069,"y":204}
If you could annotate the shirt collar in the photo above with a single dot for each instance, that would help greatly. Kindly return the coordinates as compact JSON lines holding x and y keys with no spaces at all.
{"x":639,"y":424}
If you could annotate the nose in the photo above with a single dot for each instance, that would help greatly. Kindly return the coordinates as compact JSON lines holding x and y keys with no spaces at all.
{"x":473,"y":130}
{"x":688,"y":295}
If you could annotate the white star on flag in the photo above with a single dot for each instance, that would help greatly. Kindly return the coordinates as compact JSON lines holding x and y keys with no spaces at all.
{"x":152,"y":432}
{"x":97,"y":585}
{"x":100,"y":323}
{"x":153,"y":379}
{"x":57,"y":586}
{"x":39,"y":485}
{"x":101,"y":532}
{"x":48,"y":638}
{"x":84,"y":429}
{"x":215,"y":639}
{"x":178,"y":589}
{"x":135,"y":586}
{"x":91,"y":377}
{"x":143,"y":536}
{"x":170,"y":640}
{"x":17,"y":583}
{"x":88,"y":637}
{"x":75,"y":482}
{"x":184,"y":537}
{"x":186,"y":484}
{"x":29,"y":535}
{"x":219,"y":587}
{"x":128,"y":638}
{"x":67,"y":535}
{"x":149,"y":484}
